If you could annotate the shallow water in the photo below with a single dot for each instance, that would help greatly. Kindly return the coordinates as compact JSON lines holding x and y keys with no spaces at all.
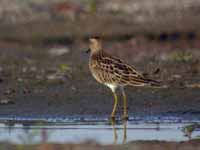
{"x":103,"y":132}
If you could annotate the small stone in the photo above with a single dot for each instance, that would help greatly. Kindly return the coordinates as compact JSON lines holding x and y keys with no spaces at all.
{"x":58,"y":51}
{"x":19,"y":79}
{"x":6,"y":102}
{"x":24,"y":69}
{"x":51,"y":77}
{"x":33,"y":69}
{"x":9,"y":92}
{"x":55,"y":76}
{"x":73,"y":88}
{"x":176,"y":76}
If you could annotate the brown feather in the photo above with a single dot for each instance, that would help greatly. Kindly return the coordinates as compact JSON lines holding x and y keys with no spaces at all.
{"x":113,"y":70}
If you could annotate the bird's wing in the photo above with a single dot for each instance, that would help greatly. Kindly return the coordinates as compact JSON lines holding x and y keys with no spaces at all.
{"x":114,"y":69}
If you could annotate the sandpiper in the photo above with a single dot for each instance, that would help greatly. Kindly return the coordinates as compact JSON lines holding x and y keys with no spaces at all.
{"x":114,"y":72}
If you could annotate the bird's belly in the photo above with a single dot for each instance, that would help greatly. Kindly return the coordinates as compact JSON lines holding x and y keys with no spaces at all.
{"x":111,"y":86}
{"x":97,"y":77}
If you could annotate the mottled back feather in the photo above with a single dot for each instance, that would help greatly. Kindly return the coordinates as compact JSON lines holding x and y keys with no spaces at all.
{"x":109,"y":69}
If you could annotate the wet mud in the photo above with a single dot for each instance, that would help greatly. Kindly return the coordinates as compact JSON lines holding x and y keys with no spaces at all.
{"x":53,"y":80}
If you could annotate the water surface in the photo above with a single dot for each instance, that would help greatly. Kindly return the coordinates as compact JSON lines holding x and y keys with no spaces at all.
{"x":103,"y":132}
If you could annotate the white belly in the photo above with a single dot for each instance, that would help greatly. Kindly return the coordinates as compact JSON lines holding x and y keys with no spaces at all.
{"x":111,"y":86}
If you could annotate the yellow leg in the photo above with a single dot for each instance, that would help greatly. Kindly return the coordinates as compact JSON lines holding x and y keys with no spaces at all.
{"x":115,"y":105}
{"x":114,"y":131}
{"x":125,"y":136}
{"x":125,"y":115}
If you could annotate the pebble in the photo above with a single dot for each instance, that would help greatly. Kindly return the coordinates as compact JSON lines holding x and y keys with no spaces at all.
{"x":54,"y":76}
{"x":9,"y":91}
{"x":176,"y":76}
{"x":33,"y":69}
{"x":6,"y":102}
{"x":19,"y":79}
{"x":58,"y":51}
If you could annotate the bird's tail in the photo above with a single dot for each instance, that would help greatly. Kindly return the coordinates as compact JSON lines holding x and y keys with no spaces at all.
{"x":153,"y":83}
{"x":141,"y":81}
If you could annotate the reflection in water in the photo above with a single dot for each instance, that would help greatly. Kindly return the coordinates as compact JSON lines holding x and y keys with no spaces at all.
{"x":42,"y":133}
{"x":26,"y":133}
{"x":10,"y":126}
{"x":115,"y":131}
{"x":29,"y":136}
{"x":125,"y":136}
{"x":102,"y":132}
{"x":44,"y":136}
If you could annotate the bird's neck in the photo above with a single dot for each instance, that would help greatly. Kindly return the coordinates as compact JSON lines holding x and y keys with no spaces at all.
{"x":96,"y":55}
{"x":96,"y":51}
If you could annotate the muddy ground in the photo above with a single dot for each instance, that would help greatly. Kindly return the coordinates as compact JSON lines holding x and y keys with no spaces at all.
{"x":90,"y":145}
{"x":44,"y":68}
{"x":53,"y":79}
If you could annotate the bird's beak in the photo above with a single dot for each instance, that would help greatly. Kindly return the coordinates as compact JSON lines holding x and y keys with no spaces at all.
{"x":87,"y":51}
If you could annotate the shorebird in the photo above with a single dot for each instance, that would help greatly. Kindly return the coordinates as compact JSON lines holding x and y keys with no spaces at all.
{"x":114,"y":73}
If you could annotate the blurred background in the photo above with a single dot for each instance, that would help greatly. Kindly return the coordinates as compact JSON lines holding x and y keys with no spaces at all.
{"x":43,"y":60}
{"x":44,"y":68}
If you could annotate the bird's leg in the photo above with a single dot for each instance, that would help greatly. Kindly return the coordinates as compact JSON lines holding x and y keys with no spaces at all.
{"x":125,"y":136}
{"x":115,"y":105}
{"x":125,"y":115}
{"x":114,"y":131}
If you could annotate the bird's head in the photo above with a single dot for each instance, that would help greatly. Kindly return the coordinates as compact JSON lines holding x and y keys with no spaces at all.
{"x":95,"y":45}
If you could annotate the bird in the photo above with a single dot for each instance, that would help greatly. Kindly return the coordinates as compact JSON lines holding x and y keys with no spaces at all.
{"x":114,"y":73}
